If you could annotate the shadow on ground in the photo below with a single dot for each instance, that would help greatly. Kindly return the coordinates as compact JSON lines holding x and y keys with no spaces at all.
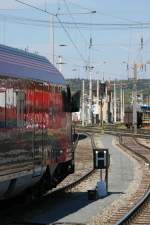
{"x":51,"y":210}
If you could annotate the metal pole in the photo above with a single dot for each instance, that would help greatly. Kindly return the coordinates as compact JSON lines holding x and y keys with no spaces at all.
{"x":90,"y":97}
{"x":102,"y":112}
{"x":114,"y":102}
{"x":83,"y":104}
{"x":97,"y":92}
{"x":90,"y":83}
{"x":123,"y":106}
{"x":60,"y":63}
{"x":106,"y":178}
{"x":101,"y":174}
{"x":135,"y":100}
{"x":121,"y":117}
{"x":106,"y":97}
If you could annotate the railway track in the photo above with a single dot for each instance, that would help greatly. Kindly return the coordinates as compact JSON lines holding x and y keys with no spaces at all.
{"x":115,"y":131}
{"x":133,"y":145}
{"x":16,"y":214}
{"x":138,"y":208}
{"x":137,"y":211}
{"x":126,"y":214}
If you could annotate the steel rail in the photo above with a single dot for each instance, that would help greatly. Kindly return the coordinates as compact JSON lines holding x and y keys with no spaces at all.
{"x":135,"y":210}
{"x":128,"y":217}
{"x":136,"y":153}
{"x":58,"y":191}
{"x":114,"y":131}
{"x":73,"y":184}
{"x":145,"y":146}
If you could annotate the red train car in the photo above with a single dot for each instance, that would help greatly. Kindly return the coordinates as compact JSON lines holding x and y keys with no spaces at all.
{"x":35,"y":124}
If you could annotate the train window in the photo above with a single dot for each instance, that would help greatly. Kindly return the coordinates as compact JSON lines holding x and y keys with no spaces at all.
{"x":10,"y":107}
{"x":2,"y":108}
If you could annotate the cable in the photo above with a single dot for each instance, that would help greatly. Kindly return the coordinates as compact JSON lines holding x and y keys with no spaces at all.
{"x":82,"y":24}
{"x":67,"y":7}
{"x":105,"y":14}
{"x":82,"y":36}
{"x":62,"y":25}
{"x":70,"y":38}
{"x":35,"y":7}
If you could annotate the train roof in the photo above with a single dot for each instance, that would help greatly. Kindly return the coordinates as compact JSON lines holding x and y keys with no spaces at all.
{"x":21,"y":64}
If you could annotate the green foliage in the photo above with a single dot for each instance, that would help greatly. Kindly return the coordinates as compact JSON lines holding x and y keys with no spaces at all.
{"x":143,"y":86}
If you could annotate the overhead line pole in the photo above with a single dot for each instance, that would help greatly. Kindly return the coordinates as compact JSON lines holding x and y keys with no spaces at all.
{"x":60,"y":22}
{"x":121,"y":104}
{"x":90,"y":96}
{"x":83,"y":104}
{"x":90,"y":83}
{"x":135,"y":99}
{"x":114,"y":102}
{"x":97,"y":92}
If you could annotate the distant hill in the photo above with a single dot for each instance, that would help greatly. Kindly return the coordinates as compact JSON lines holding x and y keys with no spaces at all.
{"x":143,"y":86}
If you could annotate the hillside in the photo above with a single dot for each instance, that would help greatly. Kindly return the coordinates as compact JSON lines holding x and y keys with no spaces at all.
{"x":143,"y":86}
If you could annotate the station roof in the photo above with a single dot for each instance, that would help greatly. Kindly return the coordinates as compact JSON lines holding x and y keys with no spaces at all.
{"x":21,"y":64}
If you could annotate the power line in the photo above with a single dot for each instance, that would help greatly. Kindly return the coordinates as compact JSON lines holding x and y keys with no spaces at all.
{"x":82,"y":24}
{"x":67,"y":7}
{"x":106,"y":14}
{"x":35,"y":7}
{"x":70,"y":27}
{"x":69,"y":36}
{"x":60,"y":22}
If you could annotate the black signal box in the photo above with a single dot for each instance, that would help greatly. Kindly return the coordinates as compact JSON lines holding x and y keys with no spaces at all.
{"x":92,"y":194}
{"x":101,"y":158}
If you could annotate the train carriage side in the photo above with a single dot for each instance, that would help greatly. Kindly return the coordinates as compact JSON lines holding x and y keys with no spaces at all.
{"x":35,"y":131}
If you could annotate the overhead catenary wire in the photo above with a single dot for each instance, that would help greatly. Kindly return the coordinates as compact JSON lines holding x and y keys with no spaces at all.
{"x":67,"y":7}
{"x":107,"y":14}
{"x":60,"y":22}
{"x":82,"y":25}
{"x":75,"y":24}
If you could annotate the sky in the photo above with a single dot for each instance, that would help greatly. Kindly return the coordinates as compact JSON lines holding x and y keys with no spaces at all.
{"x":107,"y":47}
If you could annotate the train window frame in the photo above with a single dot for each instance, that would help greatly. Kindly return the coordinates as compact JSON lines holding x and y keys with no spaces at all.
{"x":3,"y":107}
